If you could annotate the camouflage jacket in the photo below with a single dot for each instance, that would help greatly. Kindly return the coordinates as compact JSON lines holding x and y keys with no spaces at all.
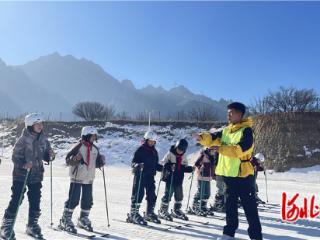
{"x":30,"y":148}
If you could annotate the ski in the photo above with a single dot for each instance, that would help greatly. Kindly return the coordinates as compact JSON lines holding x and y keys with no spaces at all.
{"x":178,"y":225}
{"x":80,"y":235}
{"x":145,"y":226}
{"x":217,"y":217}
{"x":270,"y":205}
{"x":100,"y":234}
{"x":35,"y":237}
{"x":31,"y":236}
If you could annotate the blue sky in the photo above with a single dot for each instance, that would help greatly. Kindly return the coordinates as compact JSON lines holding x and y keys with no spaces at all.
{"x":237,"y":50}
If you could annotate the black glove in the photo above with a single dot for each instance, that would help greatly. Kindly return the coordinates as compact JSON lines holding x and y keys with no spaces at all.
{"x":173,"y":167}
{"x":137,"y":167}
{"x":47,"y":158}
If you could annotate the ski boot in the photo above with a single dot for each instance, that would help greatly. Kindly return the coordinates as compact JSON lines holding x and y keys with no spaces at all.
{"x":7,"y":227}
{"x":84,"y":221}
{"x":163,"y":212}
{"x":205,"y":210}
{"x":196,"y":210}
{"x":150,"y":216}
{"x":178,"y":213}
{"x":33,"y":228}
{"x":192,"y":210}
{"x":218,"y":208}
{"x":136,"y":219}
{"x":134,"y":216}
{"x":66,"y":223}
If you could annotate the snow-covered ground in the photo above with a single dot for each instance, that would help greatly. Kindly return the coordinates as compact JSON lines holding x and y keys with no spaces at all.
{"x":119,"y":147}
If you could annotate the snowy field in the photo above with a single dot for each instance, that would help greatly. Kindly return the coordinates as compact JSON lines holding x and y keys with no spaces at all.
{"x":119,"y":180}
{"x":119,"y":149}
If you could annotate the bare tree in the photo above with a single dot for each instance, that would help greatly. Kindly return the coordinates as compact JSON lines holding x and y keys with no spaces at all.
{"x":109,"y":112}
{"x":93,"y":111}
{"x":123,"y":116}
{"x":285,"y":100}
{"x":306,"y":99}
{"x":141,"y":116}
{"x":202,"y":113}
{"x":259,"y":106}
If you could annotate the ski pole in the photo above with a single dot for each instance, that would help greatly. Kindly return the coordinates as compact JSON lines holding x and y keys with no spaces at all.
{"x":159,"y":183}
{"x":265,"y":177}
{"x":170,"y":188}
{"x":105,"y":195}
{"x":20,"y":200}
{"x":138,"y":192}
{"x":201,"y":190}
{"x":51,"y":200}
{"x":190,"y":191}
{"x":51,"y":188}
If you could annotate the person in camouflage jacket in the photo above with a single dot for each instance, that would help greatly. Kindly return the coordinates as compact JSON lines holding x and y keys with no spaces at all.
{"x":29,"y":152}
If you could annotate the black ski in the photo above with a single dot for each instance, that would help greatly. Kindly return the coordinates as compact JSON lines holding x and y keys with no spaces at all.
{"x":80,"y":235}
{"x":178,"y":225}
{"x":270,"y":205}
{"x":145,"y":226}
{"x":217,"y":217}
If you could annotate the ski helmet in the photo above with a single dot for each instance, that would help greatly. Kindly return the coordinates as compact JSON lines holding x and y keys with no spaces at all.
{"x":259,"y":156}
{"x":149,"y":135}
{"x":88,"y":130}
{"x":32,"y":119}
{"x":182,"y":144}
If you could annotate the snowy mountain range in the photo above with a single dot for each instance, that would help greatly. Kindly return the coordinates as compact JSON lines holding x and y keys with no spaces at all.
{"x":55,"y":83}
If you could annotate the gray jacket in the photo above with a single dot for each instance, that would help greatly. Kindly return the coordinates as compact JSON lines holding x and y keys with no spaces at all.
{"x":30,"y":148}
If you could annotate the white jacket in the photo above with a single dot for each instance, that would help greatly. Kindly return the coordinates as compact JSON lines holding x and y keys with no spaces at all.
{"x":83,"y":173}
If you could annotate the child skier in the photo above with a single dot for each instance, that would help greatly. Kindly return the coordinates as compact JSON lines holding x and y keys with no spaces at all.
{"x":83,"y":160}
{"x":175,"y":165}
{"x":205,"y":166}
{"x":28,"y":153}
{"x":145,"y":163}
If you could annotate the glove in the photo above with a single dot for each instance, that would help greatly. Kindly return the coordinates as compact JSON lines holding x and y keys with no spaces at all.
{"x":173,"y":167}
{"x":101,"y":161}
{"x":49,"y":156}
{"x":28,"y":165}
{"x":138,"y":166}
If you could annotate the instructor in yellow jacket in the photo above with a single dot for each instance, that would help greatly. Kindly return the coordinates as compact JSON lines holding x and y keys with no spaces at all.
{"x":235,"y":146}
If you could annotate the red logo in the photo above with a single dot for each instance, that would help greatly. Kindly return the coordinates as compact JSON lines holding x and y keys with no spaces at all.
{"x":291,"y":212}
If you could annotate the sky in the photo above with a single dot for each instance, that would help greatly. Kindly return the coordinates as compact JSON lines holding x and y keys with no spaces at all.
{"x":230,"y":50}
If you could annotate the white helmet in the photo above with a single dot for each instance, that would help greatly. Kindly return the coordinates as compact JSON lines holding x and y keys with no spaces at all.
{"x":88,"y":130}
{"x":150,"y":136}
{"x":32,"y":119}
{"x":259,"y":156}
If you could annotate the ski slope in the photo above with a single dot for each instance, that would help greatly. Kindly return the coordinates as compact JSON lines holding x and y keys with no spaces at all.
{"x":118,"y":146}
{"x":119,"y":180}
